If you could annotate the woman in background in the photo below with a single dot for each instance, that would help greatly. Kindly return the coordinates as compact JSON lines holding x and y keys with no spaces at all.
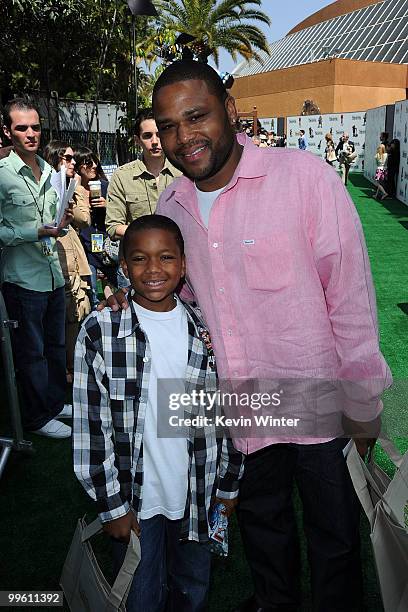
{"x":330,"y":150}
{"x":71,"y":254}
{"x":380,"y":176}
{"x":93,"y":238}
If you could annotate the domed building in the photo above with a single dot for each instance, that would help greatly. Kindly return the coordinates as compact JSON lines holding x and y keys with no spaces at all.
{"x":349,"y":56}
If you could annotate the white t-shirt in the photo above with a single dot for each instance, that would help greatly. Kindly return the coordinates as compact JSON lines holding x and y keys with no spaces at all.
{"x":206,"y":200}
{"x":165,"y":460}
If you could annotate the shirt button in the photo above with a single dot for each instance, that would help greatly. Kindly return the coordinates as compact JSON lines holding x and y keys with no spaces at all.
{"x":143,"y":400}
{"x":221,"y":289}
{"x":236,"y":373}
{"x":145,"y":359}
{"x":215,"y":245}
{"x":229,"y":331}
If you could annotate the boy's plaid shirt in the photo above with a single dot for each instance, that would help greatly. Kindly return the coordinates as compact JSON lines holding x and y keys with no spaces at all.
{"x":112,"y":370}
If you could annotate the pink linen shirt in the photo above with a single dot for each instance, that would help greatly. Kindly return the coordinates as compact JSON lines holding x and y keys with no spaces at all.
{"x":282,"y":277}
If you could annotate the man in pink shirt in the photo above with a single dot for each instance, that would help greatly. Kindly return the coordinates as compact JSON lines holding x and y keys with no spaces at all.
{"x":277,"y":262}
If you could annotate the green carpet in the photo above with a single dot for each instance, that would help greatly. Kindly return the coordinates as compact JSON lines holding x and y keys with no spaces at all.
{"x":41,"y":499}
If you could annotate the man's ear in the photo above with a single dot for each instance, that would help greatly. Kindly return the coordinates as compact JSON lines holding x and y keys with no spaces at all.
{"x":231,"y":109}
{"x":7,"y":132}
{"x":183,"y":266}
{"x":137,"y":140}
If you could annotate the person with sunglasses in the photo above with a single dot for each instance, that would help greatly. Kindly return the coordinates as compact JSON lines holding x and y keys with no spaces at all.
{"x":31,"y":275}
{"x":88,"y":168}
{"x":72,"y":256}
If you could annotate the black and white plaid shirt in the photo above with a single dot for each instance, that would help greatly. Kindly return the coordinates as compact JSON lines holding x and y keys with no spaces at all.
{"x":112,"y":370}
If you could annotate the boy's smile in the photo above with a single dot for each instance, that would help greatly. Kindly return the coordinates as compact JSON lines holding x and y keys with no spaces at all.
{"x":154,"y":266}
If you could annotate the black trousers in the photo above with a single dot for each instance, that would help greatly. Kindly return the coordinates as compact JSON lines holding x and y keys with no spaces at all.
{"x":331,"y":522}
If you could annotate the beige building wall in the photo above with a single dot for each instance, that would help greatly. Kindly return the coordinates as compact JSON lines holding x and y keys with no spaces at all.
{"x":336,"y":86}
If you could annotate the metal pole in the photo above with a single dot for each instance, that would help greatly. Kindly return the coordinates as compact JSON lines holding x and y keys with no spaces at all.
{"x":17,"y":442}
{"x":134,"y":61}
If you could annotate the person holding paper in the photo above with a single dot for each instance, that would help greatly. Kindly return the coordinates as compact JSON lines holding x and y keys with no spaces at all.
{"x":30,"y":272}
{"x":72,"y":256}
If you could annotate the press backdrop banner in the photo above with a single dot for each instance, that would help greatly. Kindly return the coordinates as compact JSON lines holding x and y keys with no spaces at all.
{"x":376,"y":118}
{"x":317,"y":126}
{"x":270,"y":124}
{"x":401,"y":132}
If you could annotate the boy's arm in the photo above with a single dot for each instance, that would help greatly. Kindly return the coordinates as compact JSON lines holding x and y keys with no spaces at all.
{"x":93,"y":448}
{"x":230,"y":471}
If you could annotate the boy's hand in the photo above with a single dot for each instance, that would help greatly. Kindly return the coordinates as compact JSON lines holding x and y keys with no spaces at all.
{"x":230,"y":504}
{"x":120,"y":528}
{"x":116,"y":301}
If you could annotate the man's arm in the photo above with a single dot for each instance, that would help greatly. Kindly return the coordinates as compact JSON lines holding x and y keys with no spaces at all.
{"x":344,"y":269}
{"x":14,"y":235}
{"x":93,"y":447}
{"x":116,"y":213}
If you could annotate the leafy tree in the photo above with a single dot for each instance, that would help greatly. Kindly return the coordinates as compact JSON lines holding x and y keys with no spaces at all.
{"x":214,"y":24}
{"x":79,"y":48}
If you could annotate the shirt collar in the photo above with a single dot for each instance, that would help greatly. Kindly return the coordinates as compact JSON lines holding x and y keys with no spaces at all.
{"x":251,"y":165}
{"x":129,"y":321}
{"x":17,"y":163}
{"x":141,"y":168}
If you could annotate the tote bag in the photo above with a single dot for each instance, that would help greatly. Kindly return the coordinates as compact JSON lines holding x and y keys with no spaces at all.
{"x":385,"y":501}
{"x":85,"y":587}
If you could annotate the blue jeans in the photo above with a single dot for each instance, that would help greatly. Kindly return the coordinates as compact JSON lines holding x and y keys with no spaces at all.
{"x":110,"y":274}
{"x":172,"y":575}
{"x":122,"y":280}
{"x":39,"y":351}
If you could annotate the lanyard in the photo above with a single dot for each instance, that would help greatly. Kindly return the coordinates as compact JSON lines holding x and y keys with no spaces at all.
{"x":40,"y":212}
{"x":147,"y":192}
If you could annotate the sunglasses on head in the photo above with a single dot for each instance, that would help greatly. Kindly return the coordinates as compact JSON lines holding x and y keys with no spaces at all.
{"x":68,"y":158}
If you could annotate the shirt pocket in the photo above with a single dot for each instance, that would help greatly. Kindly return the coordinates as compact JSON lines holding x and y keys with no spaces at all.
{"x":124,"y":397}
{"x":123,"y":389}
{"x":137,"y":206}
{"x":24,"y":209}
{"x":268,"y":262}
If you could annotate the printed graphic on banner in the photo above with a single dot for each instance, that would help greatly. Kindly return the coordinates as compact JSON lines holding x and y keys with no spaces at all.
{"x":317,"y":126}
{"x":270,"y":124}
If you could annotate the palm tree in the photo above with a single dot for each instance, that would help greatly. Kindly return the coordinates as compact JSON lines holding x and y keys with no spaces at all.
{"x":214,"y":24}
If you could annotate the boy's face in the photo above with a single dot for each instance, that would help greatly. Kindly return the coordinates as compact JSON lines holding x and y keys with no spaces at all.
{"x":154,"y":265}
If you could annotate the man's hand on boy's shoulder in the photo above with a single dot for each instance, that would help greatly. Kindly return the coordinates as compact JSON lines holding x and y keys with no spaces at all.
{"x":120,"y":528}
{"x":230,"y":504}
{"x":116,"y":301}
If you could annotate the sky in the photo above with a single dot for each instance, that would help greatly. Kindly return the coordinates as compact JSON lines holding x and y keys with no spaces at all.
{"x":284,"y":16}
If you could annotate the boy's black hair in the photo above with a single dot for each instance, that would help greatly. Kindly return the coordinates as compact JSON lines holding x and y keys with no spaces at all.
{"x":21,"y":104}
{"x":187,"y":70}
{"x":147,"y":222}
{"x":142,"y":115}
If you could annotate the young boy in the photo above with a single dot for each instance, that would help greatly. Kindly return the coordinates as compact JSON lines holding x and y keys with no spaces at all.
{"x":118,"y":457}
